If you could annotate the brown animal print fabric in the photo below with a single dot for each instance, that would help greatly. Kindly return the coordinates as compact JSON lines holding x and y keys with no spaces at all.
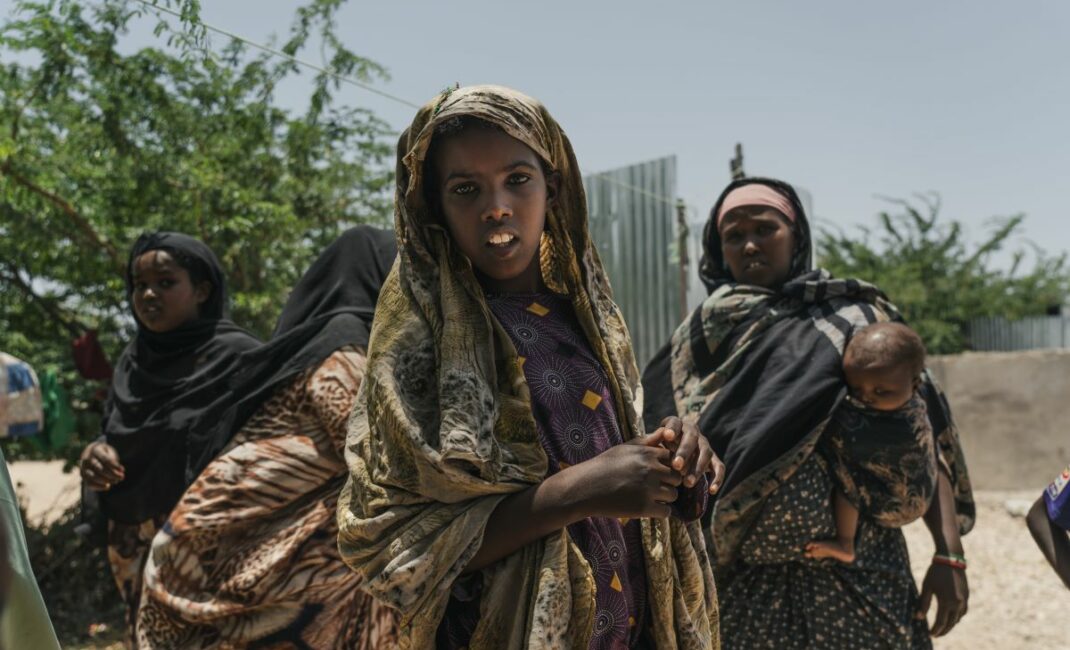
{"x":249,"y":556}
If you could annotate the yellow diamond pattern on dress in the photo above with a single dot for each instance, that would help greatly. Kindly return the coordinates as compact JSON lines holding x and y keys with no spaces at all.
{"x":616,"y":582}
{"x":520,"y":362}
{"x":563,"y":465}
{"x":538,"y":309}
{"x":631,"y":621}
{"x":623,"y":520}
{"x":591,"y":400}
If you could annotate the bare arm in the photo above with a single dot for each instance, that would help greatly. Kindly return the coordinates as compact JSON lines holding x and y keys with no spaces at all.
{"x":629,"y":480}
{"x":941,"y":519}
{"x":948,"y":584}
{"x":523,"y":518}
{"x":1054,"y":542}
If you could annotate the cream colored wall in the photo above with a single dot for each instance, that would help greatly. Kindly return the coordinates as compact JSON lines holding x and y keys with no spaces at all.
{"x":1013,"y":412}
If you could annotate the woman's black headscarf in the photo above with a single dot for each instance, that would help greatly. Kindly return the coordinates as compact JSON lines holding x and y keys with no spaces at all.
{"x":331,"y":307}
{"x":714,"y":271}
{"x":712,"y":268}
{"x":161,"y":384}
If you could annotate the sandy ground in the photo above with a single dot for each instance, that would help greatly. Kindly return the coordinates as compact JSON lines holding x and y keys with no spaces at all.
{"x":1016,"y":602}
{"x":44,"y":488}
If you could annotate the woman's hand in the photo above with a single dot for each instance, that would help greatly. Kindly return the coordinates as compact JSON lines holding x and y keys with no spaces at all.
{"x":692,"y":454}
{"x":632,"y":480}
{"x":629,"y":480}
{"x":947,"y":583}
{"x":100,"y":466}
{"x":952,"y":593}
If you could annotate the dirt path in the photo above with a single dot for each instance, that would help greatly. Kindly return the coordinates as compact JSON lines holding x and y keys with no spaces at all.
{"x":44,"y":488}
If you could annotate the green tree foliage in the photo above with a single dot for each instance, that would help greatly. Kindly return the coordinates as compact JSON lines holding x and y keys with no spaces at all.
{"x":98,"y":144}
{"x":940,"y":281}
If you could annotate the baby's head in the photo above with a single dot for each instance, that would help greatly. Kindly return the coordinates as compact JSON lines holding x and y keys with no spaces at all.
{"x":492,"y":192}
{"x":883,"y":364}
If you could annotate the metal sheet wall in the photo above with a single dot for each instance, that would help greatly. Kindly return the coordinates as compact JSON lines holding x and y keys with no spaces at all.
{"x":1035,"y":332}
{"x":633,"y":225}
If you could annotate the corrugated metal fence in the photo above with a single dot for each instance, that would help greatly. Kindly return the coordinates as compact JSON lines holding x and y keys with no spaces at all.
{"x":632,"y":223}
{"x":1035,"y":332}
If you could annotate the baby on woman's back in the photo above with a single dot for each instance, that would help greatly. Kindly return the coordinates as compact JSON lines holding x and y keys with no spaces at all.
{"x":883,"y":366}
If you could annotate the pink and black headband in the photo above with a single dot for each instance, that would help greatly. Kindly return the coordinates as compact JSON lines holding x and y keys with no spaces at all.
{"x":756,"y":194}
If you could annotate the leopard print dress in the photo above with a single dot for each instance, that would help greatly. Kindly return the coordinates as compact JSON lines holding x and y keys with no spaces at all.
{"x":249,"y":557}
{"x":128,"y":547}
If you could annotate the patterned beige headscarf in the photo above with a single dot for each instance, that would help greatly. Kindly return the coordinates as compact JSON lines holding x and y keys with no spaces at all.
{"x":443,"y":429}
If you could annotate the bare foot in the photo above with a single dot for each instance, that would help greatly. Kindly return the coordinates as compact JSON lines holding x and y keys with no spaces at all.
{"x":833,"y":548}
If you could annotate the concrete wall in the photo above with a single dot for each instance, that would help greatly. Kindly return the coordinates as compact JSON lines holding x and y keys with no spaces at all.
{"x":1013,"y":412}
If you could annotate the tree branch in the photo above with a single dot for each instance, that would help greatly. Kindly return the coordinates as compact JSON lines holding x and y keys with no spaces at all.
{"x":68,"y":209}
{"x":22,"y":109}
{"x":68,"y":322}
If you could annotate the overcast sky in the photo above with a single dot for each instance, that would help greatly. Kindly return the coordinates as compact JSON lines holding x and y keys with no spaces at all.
{"x":849,"y":100}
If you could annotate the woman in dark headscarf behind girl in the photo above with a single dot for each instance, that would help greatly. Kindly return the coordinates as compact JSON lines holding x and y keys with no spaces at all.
{"x":758,"y":368}
{"x":249,"y":555}
{"x":183,"y":350}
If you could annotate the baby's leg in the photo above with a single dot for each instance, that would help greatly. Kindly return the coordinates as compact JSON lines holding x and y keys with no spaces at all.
{"x":843,"y":547}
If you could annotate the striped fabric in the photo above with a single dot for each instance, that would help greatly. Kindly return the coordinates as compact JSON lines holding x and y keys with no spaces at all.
{"x":20,"y":399}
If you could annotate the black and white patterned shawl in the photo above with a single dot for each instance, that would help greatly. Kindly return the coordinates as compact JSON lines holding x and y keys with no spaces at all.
{"x":760,"y":372}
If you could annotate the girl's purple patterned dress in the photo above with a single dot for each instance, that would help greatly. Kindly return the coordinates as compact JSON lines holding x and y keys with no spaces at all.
{"x":576,"y":418}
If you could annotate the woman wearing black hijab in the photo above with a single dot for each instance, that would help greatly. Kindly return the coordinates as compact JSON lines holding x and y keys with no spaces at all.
{"x":758,"y":369}
{"x":181,"y":356}
{"x":249,"y":555}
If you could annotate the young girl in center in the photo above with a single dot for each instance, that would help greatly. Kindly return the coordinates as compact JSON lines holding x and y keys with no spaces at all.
{"x":501,"y":493}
